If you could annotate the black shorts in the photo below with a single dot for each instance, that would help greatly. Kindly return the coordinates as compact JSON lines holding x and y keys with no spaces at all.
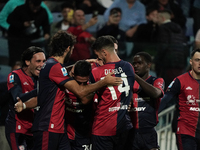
{"x":44,"y":140}
{"x":80,"y":144}
{"x":19,"y":141}
{"x":143,"y":139}
{"x":187,"y":142}
{"x":116,"y":142}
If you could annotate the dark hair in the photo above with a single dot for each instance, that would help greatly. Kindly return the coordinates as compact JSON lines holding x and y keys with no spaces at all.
{"x":28,"y":54}
{"x":60,"y":42}
{"x":147,"y":56}
{"x":82,"y":68}
{"x":35,"y":2}
{"x":150,"y":9}
{"x":16,"y":63}
{"x":67,"y":5}
{"x":112,"y":38}
{"x":103,"y":42}
{"x":115,"y":10}
{"x":194,"y":51}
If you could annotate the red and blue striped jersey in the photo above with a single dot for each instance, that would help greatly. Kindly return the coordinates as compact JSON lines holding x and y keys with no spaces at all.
{"x":19,"y":83}
{"x":51,"y":98}
{"x":78,"y":117}
{"x":111,"y":115}
{"x":144,"y":110}
{"x":187,"y":91}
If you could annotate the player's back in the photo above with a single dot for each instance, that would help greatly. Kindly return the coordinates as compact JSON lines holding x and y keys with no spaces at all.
{"x":111,"y":115}
{"x":51,"y":95}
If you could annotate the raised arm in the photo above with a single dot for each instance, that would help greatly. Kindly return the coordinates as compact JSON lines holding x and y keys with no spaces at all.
{"x":152,"y":91}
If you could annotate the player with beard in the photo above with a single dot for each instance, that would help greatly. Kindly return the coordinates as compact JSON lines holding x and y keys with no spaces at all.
{"x":111,"y":120}
{"x":48,"y":127}
{"x":21,"y":83}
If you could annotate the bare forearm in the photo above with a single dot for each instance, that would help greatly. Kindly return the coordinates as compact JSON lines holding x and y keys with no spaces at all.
{"x":20,"y":106}
{"x":83,"y":91}
{"x":31,"y":103}
{"x":88,"y":98}
{"x":148,"y":88}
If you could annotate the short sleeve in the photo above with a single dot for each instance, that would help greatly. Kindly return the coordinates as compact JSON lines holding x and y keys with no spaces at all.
{"x":59,"y":74}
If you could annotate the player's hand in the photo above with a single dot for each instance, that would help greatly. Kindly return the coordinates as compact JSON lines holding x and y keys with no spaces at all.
{"x":19,"y":105}
{"x":91,"y":60}
{"x":110,"y":80}
{"x":95,"y":61}
{"x":71,"y":73}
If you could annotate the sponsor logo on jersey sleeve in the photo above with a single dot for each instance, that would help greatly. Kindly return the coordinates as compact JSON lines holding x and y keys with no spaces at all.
{"x":64,"y":71}
{"x":11,"y":78}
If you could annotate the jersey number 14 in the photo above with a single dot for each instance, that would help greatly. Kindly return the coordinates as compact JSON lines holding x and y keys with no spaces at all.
{"x":122,"y":87}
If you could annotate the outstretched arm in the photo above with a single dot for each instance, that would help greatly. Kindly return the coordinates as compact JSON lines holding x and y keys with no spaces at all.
{"x":83,"y":91}
{"x":164,"y":101}
{"x":171,"y":94}
{"x":31,"y":103}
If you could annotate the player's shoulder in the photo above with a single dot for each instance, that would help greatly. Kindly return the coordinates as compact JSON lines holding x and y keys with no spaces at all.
{"x":124,"y":64}
{"x":51,"y":63}
{"x":156,"y":78}
{"x":18,"y":73}
{"x":182,"y":76}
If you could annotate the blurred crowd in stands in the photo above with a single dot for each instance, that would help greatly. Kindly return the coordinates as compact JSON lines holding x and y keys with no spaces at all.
{"x":159,"y":27}
{"x":155,"y":26}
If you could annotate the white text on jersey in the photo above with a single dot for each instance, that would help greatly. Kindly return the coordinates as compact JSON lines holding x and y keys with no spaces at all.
{"x":116,"y":71}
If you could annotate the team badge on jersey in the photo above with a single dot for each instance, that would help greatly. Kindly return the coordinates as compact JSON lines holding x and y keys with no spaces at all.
{"x":11,"y":78}
{"x":64,"y":71}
